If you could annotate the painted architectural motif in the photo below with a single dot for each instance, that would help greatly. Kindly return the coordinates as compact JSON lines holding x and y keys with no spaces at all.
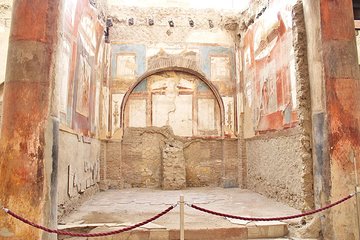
{"x":80,"y":71}
{"x":269,"y":70}
{"x":172,"y":98}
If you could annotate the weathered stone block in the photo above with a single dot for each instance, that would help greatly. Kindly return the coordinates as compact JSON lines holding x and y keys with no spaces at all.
{"x":173,"y":165}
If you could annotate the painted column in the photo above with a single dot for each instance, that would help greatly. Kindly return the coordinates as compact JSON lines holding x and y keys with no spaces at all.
{"x":28,"y":150}
{"x":334,"y":80}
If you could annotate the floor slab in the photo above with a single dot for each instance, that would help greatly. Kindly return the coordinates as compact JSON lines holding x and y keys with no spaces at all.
{"x":129,"y":206}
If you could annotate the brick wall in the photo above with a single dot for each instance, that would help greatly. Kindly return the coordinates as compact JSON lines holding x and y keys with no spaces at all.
{"x":208,"y":162}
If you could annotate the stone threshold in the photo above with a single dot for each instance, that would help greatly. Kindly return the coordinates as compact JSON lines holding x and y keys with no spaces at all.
{"x":250,"y":230}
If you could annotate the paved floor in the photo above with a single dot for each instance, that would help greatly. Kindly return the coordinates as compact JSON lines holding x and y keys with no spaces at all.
{"x":130,"y":206}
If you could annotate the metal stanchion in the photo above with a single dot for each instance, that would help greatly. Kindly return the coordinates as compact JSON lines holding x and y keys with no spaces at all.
{"x":357,"y":192}
{"x":182,"y":235}
{"x":357,"y":199}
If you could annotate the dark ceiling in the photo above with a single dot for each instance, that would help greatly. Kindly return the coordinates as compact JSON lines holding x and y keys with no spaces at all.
{"x":356,"y":7}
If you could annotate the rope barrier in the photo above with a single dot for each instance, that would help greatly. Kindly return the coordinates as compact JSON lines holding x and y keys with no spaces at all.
{"x":73,"y":234}
{"x":102,"y":234}
{"x":274,"y":218}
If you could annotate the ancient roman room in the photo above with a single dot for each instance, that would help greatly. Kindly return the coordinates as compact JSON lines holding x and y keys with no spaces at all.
{"x":179,"y":119}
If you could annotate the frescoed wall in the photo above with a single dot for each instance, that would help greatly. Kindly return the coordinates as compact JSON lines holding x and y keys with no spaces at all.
{"x":176,"y":99}
{"x":180,"y":97}
{"x":269,"y":71}
{"x":276,"y":132}
{"x":80,"y":67}
{"x":80,"y":74}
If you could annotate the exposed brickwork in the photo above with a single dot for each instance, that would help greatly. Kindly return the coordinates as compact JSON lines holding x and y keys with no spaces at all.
{"x":141,"y":157}
{"x":208,"y":162}
{"x":242,"y":159}
{"x":230,"y":159}
{"x":113,"y":167}
{"x":204,"y":165}
{"x":103,"y":168}
{"x":173,"y":165}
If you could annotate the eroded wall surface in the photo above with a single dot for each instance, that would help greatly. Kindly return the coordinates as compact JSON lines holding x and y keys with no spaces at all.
{"x":281,"y":154}
{"x":79,"y":168}
{"x":174,"y":99}
{"x":137,"y":48}
{"x":141,"y":164}
{"x":334,"y":74}
{"x":197,"y":103}
{"x":80,"y":75}
{"x":1,"y":103}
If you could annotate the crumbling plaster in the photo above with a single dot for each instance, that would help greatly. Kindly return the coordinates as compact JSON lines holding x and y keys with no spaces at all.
{"x":79,"y":168}
{"x":276,"y":163}
{"x":292,"y":147}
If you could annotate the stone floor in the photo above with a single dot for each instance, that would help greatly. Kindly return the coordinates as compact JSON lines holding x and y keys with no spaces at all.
{"x":118,"y":208}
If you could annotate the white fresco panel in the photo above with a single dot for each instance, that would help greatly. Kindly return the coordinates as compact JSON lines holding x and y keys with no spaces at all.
{"x":160,"y":109}
{"x":181,"y":121}
{"x":105,"y":108}
{"x":175,"y":112}
{"x":220,"y":68}
{"x":63,"y":73}
{"x":206,"y":114}
{"x":137,"y":113}
{"x":126,"y":65}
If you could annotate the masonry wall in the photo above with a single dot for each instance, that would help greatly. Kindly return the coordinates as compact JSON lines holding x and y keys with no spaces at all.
{"x":138,"y":47}
{"x":277,"y":125}
{"x":79,"y":169}
{"x":281,"y":154}
{"x":79,"y":73}
{"x":207,"y":162}
{"x":198,"y":104}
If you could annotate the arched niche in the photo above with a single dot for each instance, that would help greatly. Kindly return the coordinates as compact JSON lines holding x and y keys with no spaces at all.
{"x":183,"y":87}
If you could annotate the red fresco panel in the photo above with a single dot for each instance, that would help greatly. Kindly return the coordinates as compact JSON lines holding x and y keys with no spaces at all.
{"x":334,"y":9}
{"x":271,"y":55}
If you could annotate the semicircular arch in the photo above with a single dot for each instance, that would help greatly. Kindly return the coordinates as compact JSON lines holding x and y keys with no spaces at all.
{"x":197,"y":74}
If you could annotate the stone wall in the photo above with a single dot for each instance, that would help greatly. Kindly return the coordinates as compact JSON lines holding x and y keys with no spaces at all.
{"x":138,"y":161}
{"x":219,"y":33}
{"x":277,"y":109}
{"x":78,"y":170}
{"x":173,"y":165}
{"x":275,"y":166}
{"x":226,"y":4}
{"x":138,"y":48}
